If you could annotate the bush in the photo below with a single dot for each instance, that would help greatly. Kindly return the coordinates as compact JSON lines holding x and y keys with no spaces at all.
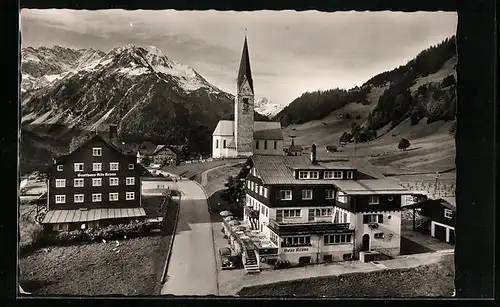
{"x":403,"y":144}
{"x":331,"y":148}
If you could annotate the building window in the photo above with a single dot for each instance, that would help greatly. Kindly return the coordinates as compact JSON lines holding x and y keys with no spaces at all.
{"x":251,"y":185}
{"x":224,"y":144}
{"x":78,"y":198}
{"x":323,"y":212}
{"x":275,"y":144}
{"x":113,"y":166}
{"x":337,"y":239}
{"x":78,"y":182}
{"x":131,"y":166}
{"x":256,"y":188}
{"x":448,"y":213}
{"x":60,"y":183}
{"x":130,"y":196}
{"x":303,"y":175}
{"x":113,"y":196}
{"x":314,"y":175}
{"x":113,"y":181}
{"x":261,"y":190}
{"x":345,"y":217}
{"x":296,"y":241}
{"x":265,"y":192}
{"x":248,"y":184}
{"x":330,"y":194}
{"x":60,"y":168}
{"x":96,"y":182}
{"x":337,"y":175}
{"x":290,"y":212}
{"x":308,"y":175}
{"x":96,"y":197}
{"x":97,"y":167}
{"x":341,"y":197}
{"x":78,"y":167}
{"x":373,"y":200}
{"x":60,"y":199}
{"x":130,"y":181}
{"x":378,"y":235}
{"x":265,"y":144}
{"x":373,"y":218}
{"x":274,"y":238}
{"x":286,"y":195}
{"x":307,"y":194}
{"x":96,"y":152}
{"x":328,"y":174}
{"x":257,"y":144}
{"x":350,"y":174}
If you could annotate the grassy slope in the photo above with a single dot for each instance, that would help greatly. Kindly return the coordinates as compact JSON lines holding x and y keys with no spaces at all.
{"x":436,"y":280}
{"x":433,"y":149}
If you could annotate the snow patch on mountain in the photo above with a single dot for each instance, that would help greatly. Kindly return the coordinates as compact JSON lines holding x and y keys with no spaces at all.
{"x":266,"y":107}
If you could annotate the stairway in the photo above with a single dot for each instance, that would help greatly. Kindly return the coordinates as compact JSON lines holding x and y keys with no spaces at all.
{"x":251,"y":263}
{"x":421,"y":222}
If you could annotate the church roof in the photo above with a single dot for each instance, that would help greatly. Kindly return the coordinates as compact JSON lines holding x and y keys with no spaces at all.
{"x":226,"y":127}
{"x":268,"y":134}
{"x":245,"y":70}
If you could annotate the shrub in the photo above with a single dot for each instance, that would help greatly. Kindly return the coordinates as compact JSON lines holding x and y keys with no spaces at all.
{"x":331,"y":148}
{"x":403,"y":144}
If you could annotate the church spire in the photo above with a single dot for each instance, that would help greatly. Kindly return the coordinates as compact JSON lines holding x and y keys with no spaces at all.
{"x":245,"y":67}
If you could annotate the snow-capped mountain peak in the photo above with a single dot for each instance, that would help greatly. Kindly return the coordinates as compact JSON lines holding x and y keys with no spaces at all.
{"x":266,"y":107}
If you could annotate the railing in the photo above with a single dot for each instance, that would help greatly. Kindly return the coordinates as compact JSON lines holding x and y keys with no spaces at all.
{"x":307,"y":227}
{"x":323,"y":219}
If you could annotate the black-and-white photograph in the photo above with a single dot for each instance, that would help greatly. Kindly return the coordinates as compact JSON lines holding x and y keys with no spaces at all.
{"x":237,"y":154}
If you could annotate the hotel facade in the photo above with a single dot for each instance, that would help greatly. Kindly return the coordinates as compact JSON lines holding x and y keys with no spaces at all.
{"x":321,"y":210}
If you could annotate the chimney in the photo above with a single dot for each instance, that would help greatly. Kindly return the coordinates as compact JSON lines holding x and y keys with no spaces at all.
{"x":113,"y":134}
{"x":313,"y":154}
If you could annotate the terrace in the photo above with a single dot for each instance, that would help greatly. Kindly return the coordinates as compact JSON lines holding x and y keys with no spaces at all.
{"x":285,"y":228}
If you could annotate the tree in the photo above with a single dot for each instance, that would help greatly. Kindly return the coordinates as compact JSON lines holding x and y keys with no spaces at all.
{"x":453,"y":129}
{"x":345,"y":137}
{"x":77,"y":141}
{"x":403,"y":144}
{"x":236,"y":194}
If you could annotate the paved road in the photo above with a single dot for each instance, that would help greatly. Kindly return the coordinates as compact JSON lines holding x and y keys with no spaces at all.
{"x":192,"y":264}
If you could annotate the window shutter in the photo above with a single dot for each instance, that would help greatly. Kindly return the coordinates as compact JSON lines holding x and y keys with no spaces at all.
{"x":380,"y":218}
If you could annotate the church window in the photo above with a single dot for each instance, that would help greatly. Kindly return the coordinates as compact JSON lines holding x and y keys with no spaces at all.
{"x":265,"y":144}
{"x":216,"y":143}
{"x":257,"y":144}
{"x":224,"y":144}
{"x":275,"y":144}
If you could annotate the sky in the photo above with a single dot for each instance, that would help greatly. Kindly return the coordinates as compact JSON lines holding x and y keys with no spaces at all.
{"x":290,"y":52}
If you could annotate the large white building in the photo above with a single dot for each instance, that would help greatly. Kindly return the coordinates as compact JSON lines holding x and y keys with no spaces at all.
{"x":243,"y":137}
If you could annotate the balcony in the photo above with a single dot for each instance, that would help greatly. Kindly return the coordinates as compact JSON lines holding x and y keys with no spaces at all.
{"x":284,"y":228}
{"x":323,"y":219}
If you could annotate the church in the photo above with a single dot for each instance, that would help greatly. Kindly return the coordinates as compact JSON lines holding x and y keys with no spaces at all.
{"x":244,"y":137}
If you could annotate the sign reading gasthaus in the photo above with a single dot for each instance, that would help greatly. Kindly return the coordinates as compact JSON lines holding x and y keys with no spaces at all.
{"x":295,"y":250}
{"x":96,"y":175}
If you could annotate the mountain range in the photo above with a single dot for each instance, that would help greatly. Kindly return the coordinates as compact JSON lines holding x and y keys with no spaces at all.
{"x":65,"y":92}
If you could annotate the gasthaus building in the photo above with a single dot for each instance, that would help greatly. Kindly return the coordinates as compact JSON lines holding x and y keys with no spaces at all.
{"x":321,"y":209}
{"x":93,"y":186}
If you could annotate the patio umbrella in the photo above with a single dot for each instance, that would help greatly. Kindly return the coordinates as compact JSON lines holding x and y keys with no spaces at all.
{"x":225,"y":213}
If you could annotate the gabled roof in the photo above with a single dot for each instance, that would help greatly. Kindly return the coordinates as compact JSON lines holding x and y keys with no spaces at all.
{"x":130,"y":158}
{"x":226,"y":127}
{"x":269,"y":134}
{"x":280,"y":169}
{"x":162,"y":147}
{"x":245,"y":71}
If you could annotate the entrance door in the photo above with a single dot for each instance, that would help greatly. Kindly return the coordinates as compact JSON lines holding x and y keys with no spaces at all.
{"x":366,"y":243}
{"x":440,"y":232}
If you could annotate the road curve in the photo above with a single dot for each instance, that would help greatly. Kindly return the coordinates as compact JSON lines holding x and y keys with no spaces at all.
{"x":192,"y":268}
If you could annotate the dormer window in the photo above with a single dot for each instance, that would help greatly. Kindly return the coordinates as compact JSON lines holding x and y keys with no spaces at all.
{"x":308,"y":175}
{"x":350,"y":175}
{"x":373,"y":200}
{"x":337,"y":175}
{"x":303,"y":175}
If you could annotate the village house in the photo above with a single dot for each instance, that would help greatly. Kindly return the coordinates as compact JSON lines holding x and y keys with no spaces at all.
{"x":164,"y":155}
{"x":321,"y":209}
{"x":243,"y":137}
{"x":93,"y":186}
{"x":438,"y":217}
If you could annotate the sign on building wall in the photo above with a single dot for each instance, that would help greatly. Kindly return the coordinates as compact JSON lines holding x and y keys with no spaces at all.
{"x":295,"y":250}
{"x":96,"y":174}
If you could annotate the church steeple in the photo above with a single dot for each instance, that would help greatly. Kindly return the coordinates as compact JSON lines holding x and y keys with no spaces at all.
{"x":245,"y":70}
